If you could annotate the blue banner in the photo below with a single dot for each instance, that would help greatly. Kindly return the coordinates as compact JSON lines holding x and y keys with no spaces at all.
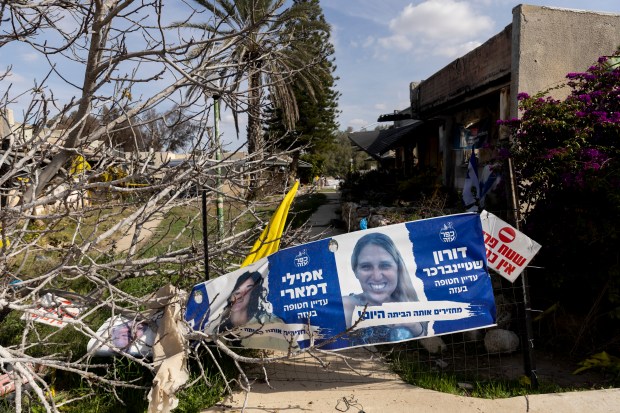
{"x":381,"y":285}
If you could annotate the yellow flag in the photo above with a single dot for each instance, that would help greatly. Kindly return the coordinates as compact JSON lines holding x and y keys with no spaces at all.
{"x":78,"y":165}
{"x":269,"y":240}
{"x":3,"y":238}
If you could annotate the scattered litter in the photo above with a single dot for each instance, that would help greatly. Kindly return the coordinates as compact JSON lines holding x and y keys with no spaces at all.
{"x":133,"y":336}
{"x":7,"y":380}
{"x":53,"y":310}
{"x":344,"y":404}
{"x":465,"y":386}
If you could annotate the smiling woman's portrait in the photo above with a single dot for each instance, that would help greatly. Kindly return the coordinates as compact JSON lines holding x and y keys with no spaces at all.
{"x":379,"y":268}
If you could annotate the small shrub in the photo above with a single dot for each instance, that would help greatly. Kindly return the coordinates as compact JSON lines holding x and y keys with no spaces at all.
{"x":567,"y":163}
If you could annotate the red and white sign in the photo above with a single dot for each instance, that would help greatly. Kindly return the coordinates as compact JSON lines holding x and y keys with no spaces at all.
{"x":53,"y":310}
{"x":509,"y":251}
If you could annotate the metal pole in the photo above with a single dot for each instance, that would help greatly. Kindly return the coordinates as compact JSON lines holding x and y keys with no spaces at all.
{"x":218,"y":158}
{"x":205,"y":235}
{"x":529,"y":362}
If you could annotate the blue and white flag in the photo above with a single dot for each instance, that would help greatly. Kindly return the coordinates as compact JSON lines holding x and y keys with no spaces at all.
{"x":382,"y":285}
{"x":471,"y":187}
{"x":488,"y":182}
{"x":476,"y":189}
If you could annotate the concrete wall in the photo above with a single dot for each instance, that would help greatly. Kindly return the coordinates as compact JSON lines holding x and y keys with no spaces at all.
{"x":549,"y":42}
{"x":6,"y":122}
{"x":532,"y":54}
{"x":466,"y":77}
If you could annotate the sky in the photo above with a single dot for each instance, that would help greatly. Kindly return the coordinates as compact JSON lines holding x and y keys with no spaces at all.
{"x":381,"y":46}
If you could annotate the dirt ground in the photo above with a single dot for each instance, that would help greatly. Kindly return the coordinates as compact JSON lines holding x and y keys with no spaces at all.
{"x":148,"y":229}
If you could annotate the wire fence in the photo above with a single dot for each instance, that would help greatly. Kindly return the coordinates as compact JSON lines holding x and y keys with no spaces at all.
{"x":479,"y":354}
{"x":464,"y":356}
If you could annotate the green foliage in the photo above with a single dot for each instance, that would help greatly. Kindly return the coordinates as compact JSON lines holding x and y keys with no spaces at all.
{"x":317,"y":160}
{"x":141,"y":286}
{"x":317,"y":101}
{"x":66,"y":341}
{"x":387,"y":188}
{"x":35,"y":230}
{"x":11,"y":329}
{"x":181,"y":228}
{"x":378,"y":187}
{"x":338,"y":157}
{"x":567,"y":163}
{"x":570,"y":144}
{"x":196,"y":398}
{"x":424,"y":181}
{"x":283,"y":32}
{"x":102,"y":399}
{"x":601,"y":361}
{"x":415,"y":373}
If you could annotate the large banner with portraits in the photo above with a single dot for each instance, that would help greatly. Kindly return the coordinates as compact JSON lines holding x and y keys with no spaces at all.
{"x":382,"y":285}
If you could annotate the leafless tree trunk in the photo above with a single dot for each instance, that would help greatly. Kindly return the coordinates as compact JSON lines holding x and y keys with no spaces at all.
{"x":83,"y":222}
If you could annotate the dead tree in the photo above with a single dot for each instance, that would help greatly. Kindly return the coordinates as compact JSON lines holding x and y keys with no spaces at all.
{"x":89,"y":231}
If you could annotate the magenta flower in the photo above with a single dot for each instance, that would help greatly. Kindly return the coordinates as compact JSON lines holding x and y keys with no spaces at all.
{"x":585,"y":98}
{"x":551,"y":153}
{"x":592,"y":153}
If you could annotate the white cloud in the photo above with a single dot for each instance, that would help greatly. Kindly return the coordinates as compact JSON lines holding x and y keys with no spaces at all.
{"x":375,"y":11}
{"x":334,"y":37}
{"x":397,"y":41}
{"x":439,"y":27}
{"x":370,"y":40}
{"x":364,"y":43}
{"x":357,"y":123}
{"x":441,"y":20}
{"x":456,"y":50}
{"x":29,"y":57}
{"x":228,"y":118}
{"x":484,"y":2}
{"x":16,"y":78}
{"x":229,"y":135}
{"x":380,"y":106}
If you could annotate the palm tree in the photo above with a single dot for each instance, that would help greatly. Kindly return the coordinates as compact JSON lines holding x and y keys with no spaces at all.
{"x":267,"y":56}
{"x":315,"y":131}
